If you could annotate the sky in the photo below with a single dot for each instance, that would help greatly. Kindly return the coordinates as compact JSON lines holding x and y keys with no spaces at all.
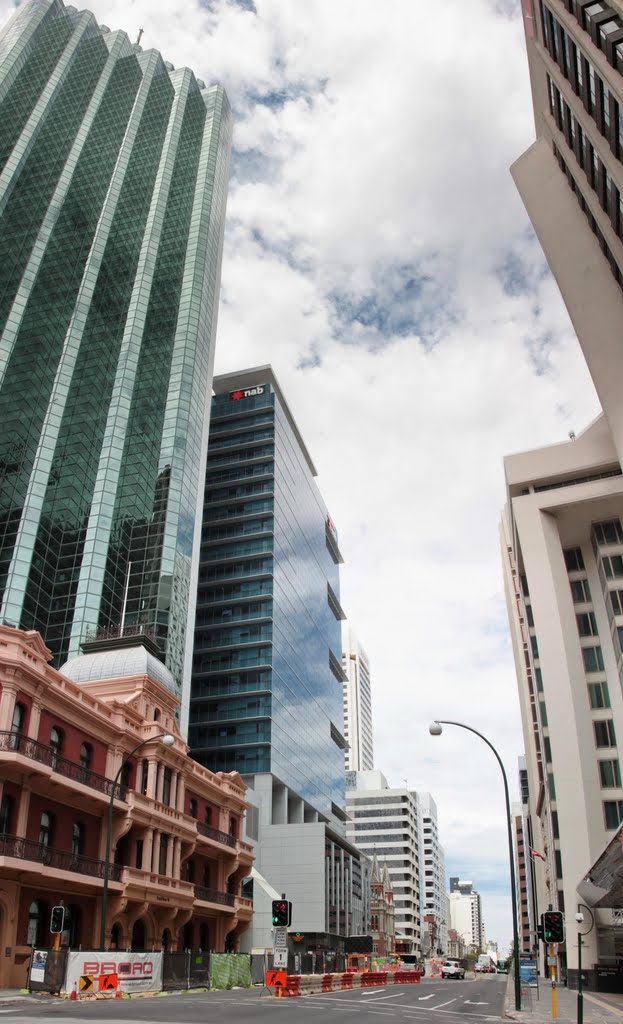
{"x":378,"y":255}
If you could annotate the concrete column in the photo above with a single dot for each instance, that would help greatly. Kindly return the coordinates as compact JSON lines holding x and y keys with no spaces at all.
{"x":7,"y":706}
{"x":151,"y":779}
{"x":177,"y":852}
{"x":34,"y":721}
{"x":22,"y":814}
{"x":148,"y":849}
{"x":170,"y":848}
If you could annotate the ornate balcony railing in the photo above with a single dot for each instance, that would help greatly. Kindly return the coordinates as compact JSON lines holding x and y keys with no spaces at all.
{"x":25,"y":849}
{"x":36,"y":751}
{"x":216,"y":834}
{"x":214,"y":896}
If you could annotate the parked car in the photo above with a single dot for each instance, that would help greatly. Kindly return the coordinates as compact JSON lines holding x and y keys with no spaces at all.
{"x":452,"y":969}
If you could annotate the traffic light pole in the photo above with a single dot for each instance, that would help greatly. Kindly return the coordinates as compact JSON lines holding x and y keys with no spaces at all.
{"x":552,"y":967}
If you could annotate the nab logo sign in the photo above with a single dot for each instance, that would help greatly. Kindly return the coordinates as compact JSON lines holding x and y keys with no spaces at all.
{"x":236,"y":396}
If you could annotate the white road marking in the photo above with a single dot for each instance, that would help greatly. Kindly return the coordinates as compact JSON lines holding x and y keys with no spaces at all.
{"x":469,"y":1002}
{"x":442,"y":1004}
{"x":421,"y":998}
{"x":371,"y":991}
{"x":393,"y":995}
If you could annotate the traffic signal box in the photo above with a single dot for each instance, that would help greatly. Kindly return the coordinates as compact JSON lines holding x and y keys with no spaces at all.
{"x":282,"y":913}
{"x":553,"y":925}
{"x":57,"y":920}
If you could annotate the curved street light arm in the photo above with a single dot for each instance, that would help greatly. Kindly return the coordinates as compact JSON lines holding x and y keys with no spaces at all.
{"x":511,"y":852}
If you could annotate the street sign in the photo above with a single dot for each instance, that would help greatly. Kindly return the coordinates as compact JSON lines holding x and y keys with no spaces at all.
{"x":280,"y":940}
{"x":86,"y":983}
{"x":280,"y":958}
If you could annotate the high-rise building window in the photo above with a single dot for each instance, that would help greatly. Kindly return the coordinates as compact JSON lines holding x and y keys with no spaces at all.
{"x":573,"y":559}
{"x":610,"y":774}
{"x":593,"y":659}
{"x":613,"y":813}
{"x":580,"y":591}
{"x":604,"y":733}
{"x":598,"y":695}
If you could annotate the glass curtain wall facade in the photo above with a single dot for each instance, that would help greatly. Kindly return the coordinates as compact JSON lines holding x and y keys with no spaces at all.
{"x":112,"y":199}
{"x":267,"y":675}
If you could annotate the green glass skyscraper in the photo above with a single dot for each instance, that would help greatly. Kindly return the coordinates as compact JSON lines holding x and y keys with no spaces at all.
{"x":113,"y":179}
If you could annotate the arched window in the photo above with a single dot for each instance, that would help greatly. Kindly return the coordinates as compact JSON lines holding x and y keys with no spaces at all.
{"x":156,"y":714}
{"x":86,"y":755}
{"x":56,"y":743}
{"x":6,"y":815}
{"x":56,"y":739}
{"x":233,"y":827}
{"x":138,"y":935}
{"x":115,"y":936}
{"x":77,"y":839}
{"x":204,"y":937}
{"x":190,"y":870}
{"x":144,"y":777}
{"x":125,"y":774}
{"x":17,"y":725}
{"x":206,"y":876}
{"x":71,"y":929}
{"x":45,"y":829}
{"x":189,"y":935}
{"x":35,"y":924}
{"x":19,"y":717}
{"x":208,"y":815}
{"x":162,"y":855}
{"x":192,"y":808}
{"x":166,"y":939}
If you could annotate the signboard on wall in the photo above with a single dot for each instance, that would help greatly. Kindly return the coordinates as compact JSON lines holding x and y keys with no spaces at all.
{"x":136,"y":972}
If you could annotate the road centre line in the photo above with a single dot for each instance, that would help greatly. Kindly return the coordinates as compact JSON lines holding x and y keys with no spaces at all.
{"x":392,"y":995}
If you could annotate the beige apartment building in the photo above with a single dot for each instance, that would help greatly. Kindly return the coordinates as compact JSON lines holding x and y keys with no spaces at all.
{"x":562,"y":530}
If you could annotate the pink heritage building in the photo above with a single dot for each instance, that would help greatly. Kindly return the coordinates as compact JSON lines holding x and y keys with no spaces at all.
{"x":177,"y":859}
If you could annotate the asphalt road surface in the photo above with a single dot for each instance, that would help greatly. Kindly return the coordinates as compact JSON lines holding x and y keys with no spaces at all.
{"x":431,"y":1002}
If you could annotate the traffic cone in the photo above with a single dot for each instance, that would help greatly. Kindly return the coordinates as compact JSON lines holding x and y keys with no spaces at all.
{"x":118,"y":994}
{"x":73,"y":994}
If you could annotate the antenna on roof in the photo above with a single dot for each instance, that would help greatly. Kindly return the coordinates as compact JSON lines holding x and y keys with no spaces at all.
{"x":140,"y":33}
{"x":572,"y":435}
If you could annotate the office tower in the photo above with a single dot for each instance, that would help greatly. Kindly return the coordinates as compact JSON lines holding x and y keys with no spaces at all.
{"x":112,"y":201}
{"x":267,"y":674}
{"x":571,"y":178}
{"x":562,"y":541}
{"x":357,"y":703}
{"x":561,"y":528}
{"x":466,"y":913}
{"x":383,"y":822}
{"x":433,"y":899}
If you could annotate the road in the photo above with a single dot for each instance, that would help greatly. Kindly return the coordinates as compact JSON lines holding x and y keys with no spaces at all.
{"x":431,"y":1002}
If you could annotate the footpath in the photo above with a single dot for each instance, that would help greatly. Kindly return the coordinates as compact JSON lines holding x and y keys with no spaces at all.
{"x":599,"y":1007}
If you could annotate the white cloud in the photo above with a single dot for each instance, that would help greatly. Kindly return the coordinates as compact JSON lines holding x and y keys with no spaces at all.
{"x":378,"y":256}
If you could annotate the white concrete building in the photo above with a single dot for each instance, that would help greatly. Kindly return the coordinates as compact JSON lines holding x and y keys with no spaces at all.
{"x":384,"y":821}
{"x":433,"y":898}
{"x":563,"y":567}
{"x":357,"y":703}
{"x":466,"y":913}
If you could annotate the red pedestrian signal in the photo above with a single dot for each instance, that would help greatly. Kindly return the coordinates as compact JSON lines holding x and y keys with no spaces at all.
{"x":282,"y":913}
{"x":553,"y":926}
{"x":57,"y":920}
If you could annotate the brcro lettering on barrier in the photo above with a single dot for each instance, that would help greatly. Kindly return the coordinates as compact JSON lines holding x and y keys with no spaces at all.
{"x":135,"y":972}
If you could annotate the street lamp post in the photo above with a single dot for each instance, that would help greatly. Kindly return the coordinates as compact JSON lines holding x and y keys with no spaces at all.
{"x":435,"y":729}
{"x":580,"y":918}
{"x":167,"y":740}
